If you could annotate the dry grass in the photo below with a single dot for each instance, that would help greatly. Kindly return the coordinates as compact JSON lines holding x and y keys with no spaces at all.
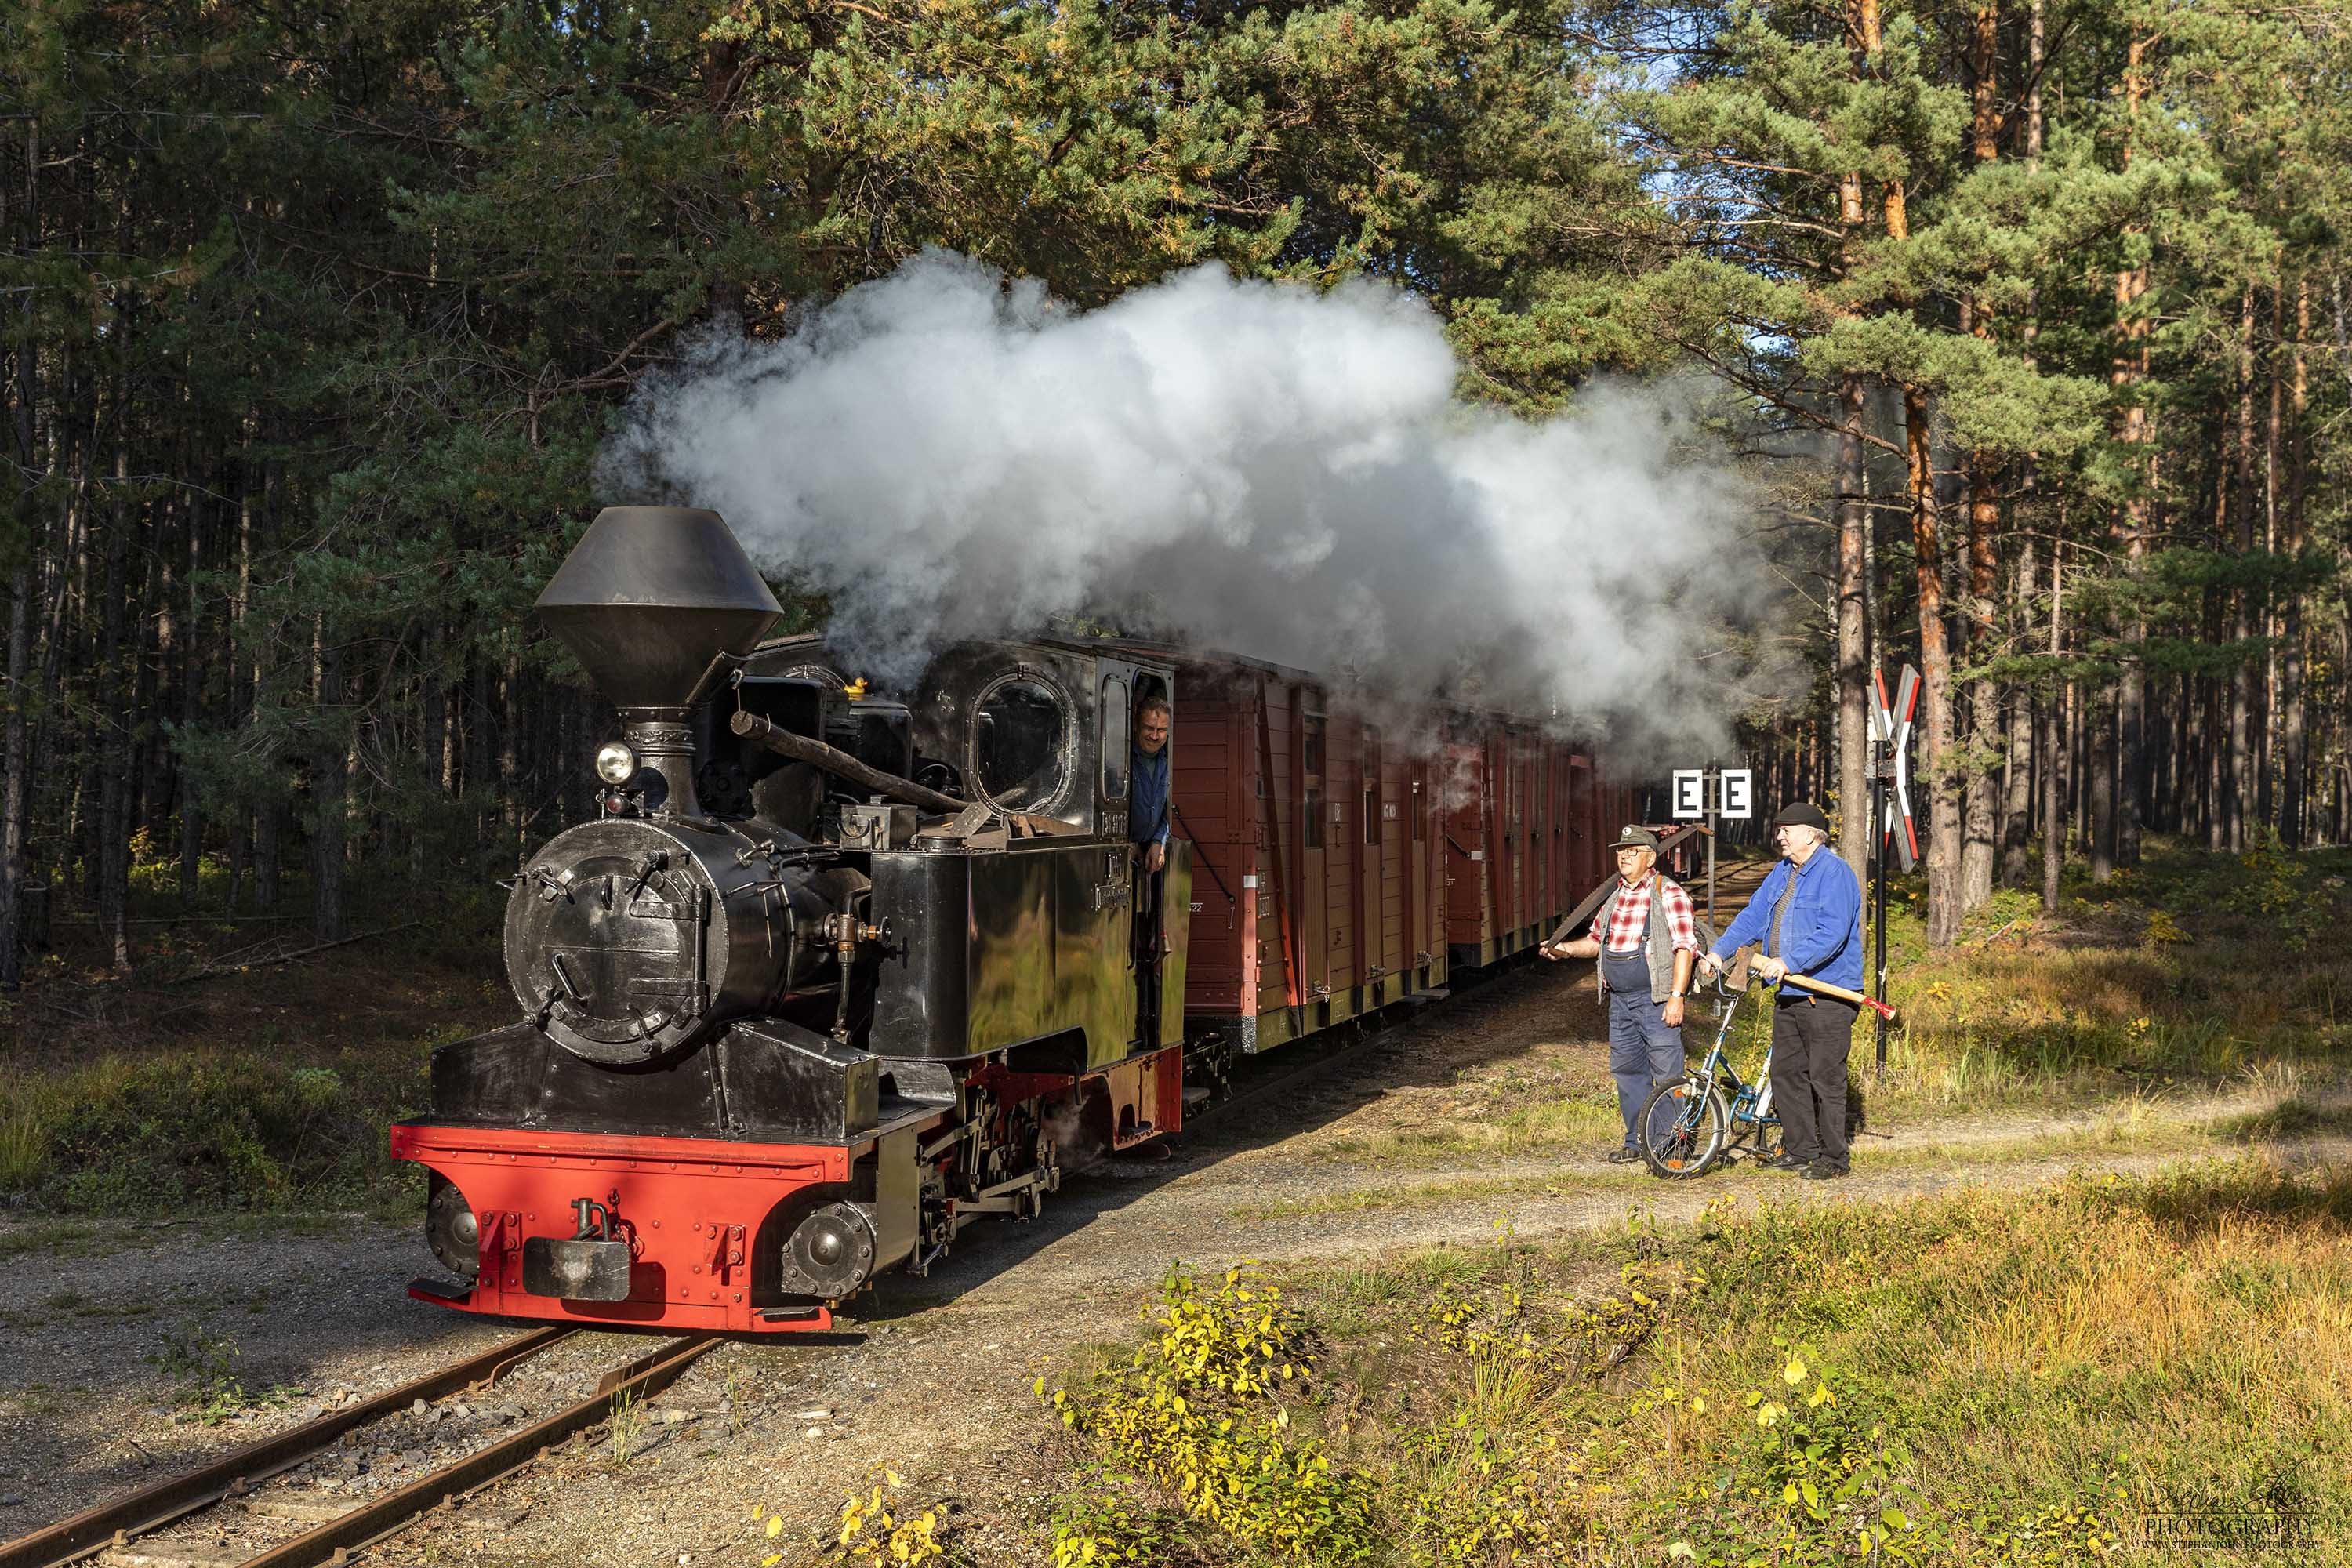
{"x":2191,"y":968}
{"x":2033,"y":1373}
{"x":2181,"y":1343}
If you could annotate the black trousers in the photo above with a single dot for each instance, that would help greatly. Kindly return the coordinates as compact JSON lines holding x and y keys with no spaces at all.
{"x":1810,"y":1042}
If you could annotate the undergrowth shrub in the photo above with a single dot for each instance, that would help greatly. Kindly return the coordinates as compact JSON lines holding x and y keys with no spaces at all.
{"x":212,"y":1130}
{"x":1203,"y":1411}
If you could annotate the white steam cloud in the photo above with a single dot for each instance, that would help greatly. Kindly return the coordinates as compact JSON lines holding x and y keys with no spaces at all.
{"x":1253,"y":467}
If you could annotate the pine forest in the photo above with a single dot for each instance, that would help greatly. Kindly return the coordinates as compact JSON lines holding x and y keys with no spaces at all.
{"x":316,"y":317}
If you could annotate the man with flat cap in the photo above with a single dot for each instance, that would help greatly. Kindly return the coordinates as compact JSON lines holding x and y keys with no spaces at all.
{"x":1646,"y":937}
{"x":1807,"y":917}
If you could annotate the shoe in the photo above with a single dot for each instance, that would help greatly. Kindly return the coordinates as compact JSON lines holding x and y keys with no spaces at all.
{"x":1821,"y":1173}
{"x":1787,"y":1163}
{"x":1625,"y":1156}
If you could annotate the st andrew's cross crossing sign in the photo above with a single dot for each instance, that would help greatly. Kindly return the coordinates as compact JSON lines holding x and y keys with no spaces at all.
{"x":1890,"y":740}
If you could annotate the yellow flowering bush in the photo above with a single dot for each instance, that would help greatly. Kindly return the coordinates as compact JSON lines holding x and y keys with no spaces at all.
{"x":1197,"y":1413}
{"x":872,"y":1531}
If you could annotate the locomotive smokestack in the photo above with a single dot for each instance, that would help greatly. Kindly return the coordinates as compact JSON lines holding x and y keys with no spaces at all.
{"x":648,"y":601}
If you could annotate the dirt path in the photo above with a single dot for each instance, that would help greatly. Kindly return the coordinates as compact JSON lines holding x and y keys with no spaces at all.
{"x":1424,"y":1138}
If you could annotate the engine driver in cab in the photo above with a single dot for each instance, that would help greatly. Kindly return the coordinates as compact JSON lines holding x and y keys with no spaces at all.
{"x":1148,"y":813}
{"x":1146,"y":817}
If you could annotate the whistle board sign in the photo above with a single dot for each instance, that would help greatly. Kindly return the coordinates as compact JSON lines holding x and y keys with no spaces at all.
{"x":1738,"y":795}
{"x":1690,"y":794}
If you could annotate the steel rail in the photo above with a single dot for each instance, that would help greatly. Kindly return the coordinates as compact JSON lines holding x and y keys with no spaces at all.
{"x":642,"y":1378}
{"x":233,"y":1474}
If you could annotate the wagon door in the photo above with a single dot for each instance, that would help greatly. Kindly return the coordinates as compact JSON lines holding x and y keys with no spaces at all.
{"x":1417,"y":892}
{"x":1314,"y":924}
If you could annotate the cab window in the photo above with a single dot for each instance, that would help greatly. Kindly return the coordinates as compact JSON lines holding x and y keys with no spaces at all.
{"x":1114,"y":742}
{"x":1022,"y":745}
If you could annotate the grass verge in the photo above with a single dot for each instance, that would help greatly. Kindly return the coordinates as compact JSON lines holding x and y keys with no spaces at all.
{"x":2101,"y":1370}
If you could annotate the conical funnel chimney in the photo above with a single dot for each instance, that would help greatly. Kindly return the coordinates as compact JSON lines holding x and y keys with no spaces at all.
{"x":650,"y":596}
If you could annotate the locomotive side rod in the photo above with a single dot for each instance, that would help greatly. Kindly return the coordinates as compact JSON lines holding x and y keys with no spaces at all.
{"x":69,"y":1539}
{"x":834,"y":760}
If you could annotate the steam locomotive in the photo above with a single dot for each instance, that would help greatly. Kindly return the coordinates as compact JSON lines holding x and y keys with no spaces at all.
{"x":838,"y":970}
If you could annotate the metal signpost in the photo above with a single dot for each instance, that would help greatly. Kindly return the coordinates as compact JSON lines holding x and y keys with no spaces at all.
{"x":1712,"y":793}
{"x":1890,"y":803}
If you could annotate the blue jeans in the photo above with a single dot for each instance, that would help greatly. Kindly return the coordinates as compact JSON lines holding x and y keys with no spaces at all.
{"x":1645,"y":1050}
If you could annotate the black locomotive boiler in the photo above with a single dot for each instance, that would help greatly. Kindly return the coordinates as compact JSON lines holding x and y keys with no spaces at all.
{"x":833,"y":972}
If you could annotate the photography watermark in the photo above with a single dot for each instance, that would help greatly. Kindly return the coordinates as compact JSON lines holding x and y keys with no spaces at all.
{"x":2283,"y":1528}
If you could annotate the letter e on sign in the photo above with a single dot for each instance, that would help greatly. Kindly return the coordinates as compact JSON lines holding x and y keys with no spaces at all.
{"x":1739,"y":796}
{"x":1690,"y":792}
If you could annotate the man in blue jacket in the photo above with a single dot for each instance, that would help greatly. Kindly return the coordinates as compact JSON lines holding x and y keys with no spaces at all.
{"x":1807,"y":917}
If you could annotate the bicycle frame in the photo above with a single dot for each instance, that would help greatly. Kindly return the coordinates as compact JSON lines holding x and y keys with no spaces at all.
{"x":1752,"y":1104}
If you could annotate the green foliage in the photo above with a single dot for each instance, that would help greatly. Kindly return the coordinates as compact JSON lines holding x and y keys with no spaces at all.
{"x":203,"y":1366}
{"x":1203,"y":1411}
{"x":205,"y":1128}
{"x":1101,"y":1526}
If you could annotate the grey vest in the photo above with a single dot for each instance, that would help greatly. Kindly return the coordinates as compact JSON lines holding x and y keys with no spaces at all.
{"x":1661,"y":953}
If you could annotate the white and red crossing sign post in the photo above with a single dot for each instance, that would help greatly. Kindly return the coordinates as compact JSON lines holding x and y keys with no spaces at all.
{"x":1890,"y":790}
{"x":1890,"y":740}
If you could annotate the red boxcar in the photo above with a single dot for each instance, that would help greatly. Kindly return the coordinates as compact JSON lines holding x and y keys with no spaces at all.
{"x":1340,"y":866}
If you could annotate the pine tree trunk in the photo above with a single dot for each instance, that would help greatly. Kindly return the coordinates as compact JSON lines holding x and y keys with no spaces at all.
{"x":1853,"y":676}
{"x":114,"y":716}
{"x":2054,"y":749}
{"x":2137,"y":432}
{"x":2100,"y":770}
{"x":1944,"y":907}
{"x":17,"y":783}
{"x":2266,"y":616}
{"x":1981,"y":798}
{"x":16,"y":748}
{"x":2016,"y":808}
{"x":432,"y":749}
{"x":191,"y":689}
{"x":2291,"y":698}
{"x":2241,"y":760}
{"x":479,"y":724}
{"x":2217,"y":778}
{"x":2014,"y":860}
{"x":329,"y":759}
{"x":1981,"y":795}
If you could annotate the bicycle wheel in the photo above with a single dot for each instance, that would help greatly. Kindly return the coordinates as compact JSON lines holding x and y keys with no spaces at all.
{"x":1683,"y":1128}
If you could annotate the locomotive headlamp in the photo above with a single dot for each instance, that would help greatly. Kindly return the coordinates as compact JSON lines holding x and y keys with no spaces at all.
{"x":615,"y":764}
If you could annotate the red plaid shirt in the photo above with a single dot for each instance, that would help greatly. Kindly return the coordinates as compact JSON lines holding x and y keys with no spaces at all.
{"x":1622,"y":923}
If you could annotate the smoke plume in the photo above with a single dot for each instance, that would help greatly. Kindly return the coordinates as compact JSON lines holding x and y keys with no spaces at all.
{"x":1259,"y":468}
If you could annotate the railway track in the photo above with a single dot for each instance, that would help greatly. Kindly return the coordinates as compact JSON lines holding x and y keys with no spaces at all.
{"x":246,"y":1498}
